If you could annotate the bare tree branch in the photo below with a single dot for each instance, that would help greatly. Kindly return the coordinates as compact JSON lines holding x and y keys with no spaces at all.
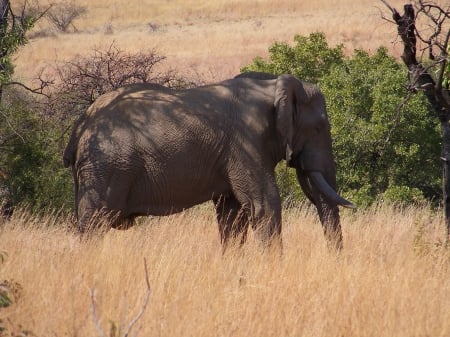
{"x":144,"y":305}
{"x":94,"y":315}
{"x":393,"y":10}
{"x":62,"y":15}
{"x":39,"y":90}
{"x":395,"y":124}
{"x":134,"y":320}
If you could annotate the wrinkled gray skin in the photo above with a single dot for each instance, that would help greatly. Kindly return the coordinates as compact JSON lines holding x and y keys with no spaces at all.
{"x":145,"y":149}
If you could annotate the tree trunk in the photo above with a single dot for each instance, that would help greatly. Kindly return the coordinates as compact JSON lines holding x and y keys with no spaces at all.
{"x":420,"y":79}
{"x":4,"y":11}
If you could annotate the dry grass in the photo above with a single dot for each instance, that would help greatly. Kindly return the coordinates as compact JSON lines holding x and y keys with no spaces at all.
{"x":209,"y":39}
{"x":392,"y":279}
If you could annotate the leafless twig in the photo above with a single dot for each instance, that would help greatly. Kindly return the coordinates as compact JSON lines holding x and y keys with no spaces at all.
{"x":144,"y":305}
{"x":94,"y":315}
{"x":44,"y":84}
{"x":134,"y":320}
{"x":395,"y":123}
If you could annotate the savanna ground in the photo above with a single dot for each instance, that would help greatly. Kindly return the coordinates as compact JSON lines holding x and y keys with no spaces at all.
{"x":391,"y":279}
{"x":209,"y":40}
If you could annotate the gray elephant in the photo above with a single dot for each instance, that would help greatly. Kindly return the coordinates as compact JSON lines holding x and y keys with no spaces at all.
{"x":144,"y":149}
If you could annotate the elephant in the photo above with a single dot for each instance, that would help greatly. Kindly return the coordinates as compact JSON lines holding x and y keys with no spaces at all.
{"x":144,"y":149}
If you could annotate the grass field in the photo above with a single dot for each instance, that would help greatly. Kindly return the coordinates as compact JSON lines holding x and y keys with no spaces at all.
{"x":391,"y":279}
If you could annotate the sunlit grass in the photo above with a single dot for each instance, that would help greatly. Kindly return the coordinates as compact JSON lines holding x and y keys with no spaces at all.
{"x":392,"y":278}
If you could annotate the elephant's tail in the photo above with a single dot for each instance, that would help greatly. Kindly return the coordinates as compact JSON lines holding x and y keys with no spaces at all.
{"x":69,"y":155}
{"x":67,"y":161}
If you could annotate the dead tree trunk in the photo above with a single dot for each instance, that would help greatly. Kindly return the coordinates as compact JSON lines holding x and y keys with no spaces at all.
{"x":4,"y":12}
{"x":421,"y":79}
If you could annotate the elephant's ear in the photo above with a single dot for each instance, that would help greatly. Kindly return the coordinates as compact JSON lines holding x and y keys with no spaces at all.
{"x":285,"y":101}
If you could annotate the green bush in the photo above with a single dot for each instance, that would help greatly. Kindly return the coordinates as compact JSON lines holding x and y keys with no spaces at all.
{"x":381,"y":141}
{"x":377,"y":144}
{"x":31,"y":157}
{"x":288,"y":186}
{"x":309,"y":59}
{"x":403,"y":195}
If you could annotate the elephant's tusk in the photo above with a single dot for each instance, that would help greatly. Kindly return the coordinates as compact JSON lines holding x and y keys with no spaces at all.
{"x":325,"y":188}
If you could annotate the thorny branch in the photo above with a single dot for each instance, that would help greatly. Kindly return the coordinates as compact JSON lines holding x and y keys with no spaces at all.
{"x":40,"y":90}
{"x":395,"y":123}
{"x":134,"y":320}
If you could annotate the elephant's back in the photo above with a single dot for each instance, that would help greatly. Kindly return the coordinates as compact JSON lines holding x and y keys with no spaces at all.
{"x":118,"y":102}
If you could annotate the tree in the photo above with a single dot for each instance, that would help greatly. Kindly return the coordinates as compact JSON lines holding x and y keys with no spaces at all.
{"x":63,"y":14}
{"x":13,"y":30}
{"x":31,"y":156}
{"x":379,"y":150}
{"x":429,"y":76}
{"x":309,"y":59}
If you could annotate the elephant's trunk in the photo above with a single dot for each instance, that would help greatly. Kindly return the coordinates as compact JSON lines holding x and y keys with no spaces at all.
{"x":324,"y":196}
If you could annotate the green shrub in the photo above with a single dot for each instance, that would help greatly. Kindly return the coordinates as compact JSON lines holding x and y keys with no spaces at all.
{"x":377,"y":144}
{"x":309,"y":59}
{"x":288,"y":186}
{"x":31,"y":157}
{"x":403,"y":195}
{"x":381,"y":140}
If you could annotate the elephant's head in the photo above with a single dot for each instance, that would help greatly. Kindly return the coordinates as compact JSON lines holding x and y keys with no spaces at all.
{"x":304,"y":131}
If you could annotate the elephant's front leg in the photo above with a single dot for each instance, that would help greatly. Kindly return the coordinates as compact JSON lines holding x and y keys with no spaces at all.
{"x":259,"y":196}
{"x":233,"y":220}
{"x":266,"y":222}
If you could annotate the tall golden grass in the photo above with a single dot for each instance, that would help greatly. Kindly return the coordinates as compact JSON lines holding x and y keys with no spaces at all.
{"x":391,"y":279}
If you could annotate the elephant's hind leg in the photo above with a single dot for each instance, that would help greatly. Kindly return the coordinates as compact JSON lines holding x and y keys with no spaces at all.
{"x":101,"y":203}
{"x":88,"y":209}
{"x":232,"y":219}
